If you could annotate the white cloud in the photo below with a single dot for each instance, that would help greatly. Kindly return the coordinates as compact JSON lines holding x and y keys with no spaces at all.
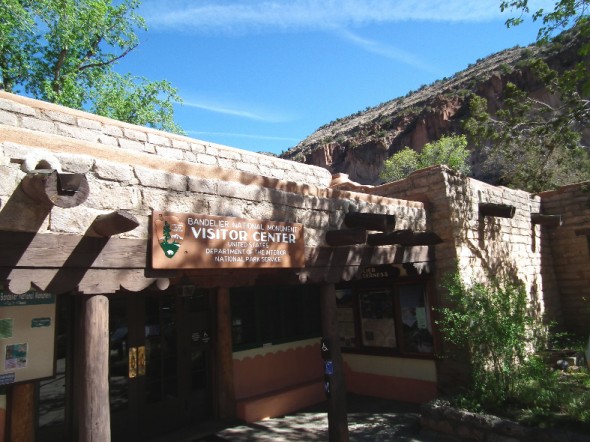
{"x":387,"y":51}
{"x":242,"y":135}
{"x":239,"y":111}
{"x":245,"y":16}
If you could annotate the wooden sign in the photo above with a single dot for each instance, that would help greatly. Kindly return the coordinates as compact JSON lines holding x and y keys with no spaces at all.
{"x":192,"y":241}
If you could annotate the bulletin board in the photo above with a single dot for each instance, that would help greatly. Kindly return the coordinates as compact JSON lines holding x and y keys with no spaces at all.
{"x":27,"y":336}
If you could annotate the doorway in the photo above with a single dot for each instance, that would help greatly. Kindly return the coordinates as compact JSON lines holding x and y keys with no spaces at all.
{"x":160,"y":362}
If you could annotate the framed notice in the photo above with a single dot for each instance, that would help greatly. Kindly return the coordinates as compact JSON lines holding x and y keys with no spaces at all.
{"x":27,"y":336}
{"x":194,"y":241}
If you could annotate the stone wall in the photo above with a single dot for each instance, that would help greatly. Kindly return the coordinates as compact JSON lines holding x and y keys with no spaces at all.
{"x":571,"y":253}
{"x":481,"y":248}
{"x":46,"y":118}
{"x":140,"y":170}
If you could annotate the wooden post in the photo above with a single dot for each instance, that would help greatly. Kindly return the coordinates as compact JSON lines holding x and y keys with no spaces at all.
{"x":92,"y":407}
{"x":337,"y":418}
{"x":226,"y":400}
{"x":21,"y":411}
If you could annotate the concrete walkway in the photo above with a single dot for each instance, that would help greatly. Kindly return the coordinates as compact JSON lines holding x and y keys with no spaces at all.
{"x":369,"y":419}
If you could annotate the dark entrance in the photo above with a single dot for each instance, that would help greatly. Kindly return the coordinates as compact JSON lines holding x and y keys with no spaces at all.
{"x":160,"y":374}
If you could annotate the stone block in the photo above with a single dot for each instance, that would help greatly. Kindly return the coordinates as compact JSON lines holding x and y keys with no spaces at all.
{"x":12,"y":106}
{"x":89,"y":124}
{"x":124,"y":143}
{"x":38,"y":125}
{"x":108,"y":140}
{"x":110,"y":195}
{"x":10,"y":178}
{"x":209,"y":160}
{"x":169,"y":153}
{"x":75,"y":220}
{"x":134,"y":134}
{"x":8,"y":118}
{"x":158,"y":139}
{"x":157,"y":199}
{"x":112,"y":130}
{"x":111,"y":171}
{"x":61,"y":117}
{"x":160,"y":179}
{"x":248,"y":167}
{"x":78,"y":133}
{"x":204,"y":186}
{"x":180,"y":144}
{"x":75,"y":163}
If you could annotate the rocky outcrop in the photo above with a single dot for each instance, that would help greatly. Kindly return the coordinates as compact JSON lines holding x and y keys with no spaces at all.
{"x":358,"y":145}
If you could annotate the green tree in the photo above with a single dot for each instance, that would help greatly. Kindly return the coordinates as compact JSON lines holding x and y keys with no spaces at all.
{"x":64,"y":51}
{"x":528,"y":143}
{"x":451,"y":151}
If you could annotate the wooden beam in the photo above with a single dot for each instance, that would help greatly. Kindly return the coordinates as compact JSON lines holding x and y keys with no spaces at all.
{"x":50,"y":187}
{"x":582,"y":232}
{"x":404,"y":238}
{"x":497,"y":210}
{"x":370,"y":221}
{"x":113,"y":223}
{"x":347,"y":237}
{"x":546,"y":220}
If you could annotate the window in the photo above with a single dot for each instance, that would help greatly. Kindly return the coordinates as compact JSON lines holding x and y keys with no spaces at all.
{"x":392,"y":320}
{"x":262,"y":315}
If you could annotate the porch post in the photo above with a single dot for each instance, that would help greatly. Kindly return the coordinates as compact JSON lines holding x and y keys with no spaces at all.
{"x":337,"y":417}
{"x":226,"y":401}
{"x":22,"y":413}
{"x":91,"y":401}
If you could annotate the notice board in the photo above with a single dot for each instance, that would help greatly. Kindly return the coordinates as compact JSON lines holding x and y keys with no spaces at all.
{"x":27,"y":336}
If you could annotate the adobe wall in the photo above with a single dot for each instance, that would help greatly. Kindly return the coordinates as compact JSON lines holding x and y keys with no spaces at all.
{"x":571,"y":253}
{"x":139,"y":170}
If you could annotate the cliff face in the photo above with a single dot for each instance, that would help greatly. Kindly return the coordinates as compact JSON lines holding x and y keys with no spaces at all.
{"x":359,"y":144}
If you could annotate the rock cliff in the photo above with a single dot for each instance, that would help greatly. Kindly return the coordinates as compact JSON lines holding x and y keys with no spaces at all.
{"x":358,"y":144}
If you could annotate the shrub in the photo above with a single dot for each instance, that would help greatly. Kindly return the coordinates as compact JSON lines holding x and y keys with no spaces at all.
{"x":493,"y":324}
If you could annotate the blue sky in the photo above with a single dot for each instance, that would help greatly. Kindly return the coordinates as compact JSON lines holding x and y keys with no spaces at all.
{"x":262,"y":75}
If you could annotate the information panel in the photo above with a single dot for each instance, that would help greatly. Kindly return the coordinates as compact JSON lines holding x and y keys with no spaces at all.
{"x":27,"y":336}
{"x":192,"y":241}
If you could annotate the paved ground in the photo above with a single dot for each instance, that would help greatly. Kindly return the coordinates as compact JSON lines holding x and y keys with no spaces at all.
{"x":369,"y":419}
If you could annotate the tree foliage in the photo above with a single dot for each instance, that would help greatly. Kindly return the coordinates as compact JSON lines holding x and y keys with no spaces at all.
{"x":532,"y":144}
{"x":451,"y":151}
{"x":64,"y":51}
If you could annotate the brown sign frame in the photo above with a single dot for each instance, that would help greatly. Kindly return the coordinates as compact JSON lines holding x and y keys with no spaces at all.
{"x":197,"y":241}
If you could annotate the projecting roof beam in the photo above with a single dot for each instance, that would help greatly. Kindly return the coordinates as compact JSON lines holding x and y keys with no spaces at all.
{"x":370,"y":221}
{"x":497,"y":210}
{"x":404,"y":238}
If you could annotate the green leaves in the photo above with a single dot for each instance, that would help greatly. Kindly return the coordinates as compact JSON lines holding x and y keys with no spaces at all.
{"x":451,"y":151}
{"x":64,"y":51}
{"x":494,"y":324}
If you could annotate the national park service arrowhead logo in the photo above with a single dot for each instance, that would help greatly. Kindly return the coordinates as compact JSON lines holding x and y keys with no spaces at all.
{"x":170,"y":233}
